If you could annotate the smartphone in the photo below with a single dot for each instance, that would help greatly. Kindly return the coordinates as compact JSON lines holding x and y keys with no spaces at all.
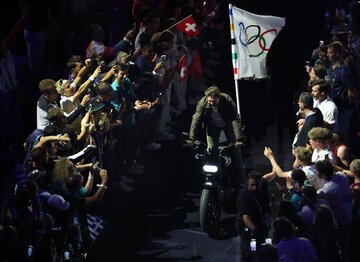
{"x":16,"y":188}
{"x":66,"y":255}
{"x":253,"y":244}
{"x":30,"y":250}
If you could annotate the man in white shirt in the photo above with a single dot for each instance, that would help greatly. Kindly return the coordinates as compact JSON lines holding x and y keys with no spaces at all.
{"x":320,"y":92}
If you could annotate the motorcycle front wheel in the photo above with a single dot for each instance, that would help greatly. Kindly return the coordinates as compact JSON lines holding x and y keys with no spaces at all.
{"x":210,"y":208}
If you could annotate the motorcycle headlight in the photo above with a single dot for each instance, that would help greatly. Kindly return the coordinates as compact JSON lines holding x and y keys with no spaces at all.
{"x":210,"y":168}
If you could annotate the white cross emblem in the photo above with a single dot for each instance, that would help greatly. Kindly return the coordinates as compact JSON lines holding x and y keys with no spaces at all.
{"x":191,"y":27}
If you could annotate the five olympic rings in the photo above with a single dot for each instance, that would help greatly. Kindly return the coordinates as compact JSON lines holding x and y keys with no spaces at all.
{"x":259,"y":35}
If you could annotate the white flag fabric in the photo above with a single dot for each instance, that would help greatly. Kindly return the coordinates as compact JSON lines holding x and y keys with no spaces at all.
{"x":95,"y":225}
{"x":252,"y":36}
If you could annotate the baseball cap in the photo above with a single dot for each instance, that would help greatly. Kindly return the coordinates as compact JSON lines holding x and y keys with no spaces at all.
{"x":58,"y":202}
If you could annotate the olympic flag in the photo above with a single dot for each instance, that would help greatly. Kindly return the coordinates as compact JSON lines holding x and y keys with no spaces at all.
{"x":251,"y":39}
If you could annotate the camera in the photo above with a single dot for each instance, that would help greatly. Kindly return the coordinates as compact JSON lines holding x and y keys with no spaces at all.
{"x":253,"y":244}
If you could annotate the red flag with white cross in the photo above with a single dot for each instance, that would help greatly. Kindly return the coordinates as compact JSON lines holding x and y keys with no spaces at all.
{"x":182,"y":69}
{"x":188,"y":26}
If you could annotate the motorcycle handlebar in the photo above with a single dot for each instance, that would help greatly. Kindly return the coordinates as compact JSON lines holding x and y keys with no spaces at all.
{"x":197,"y":144}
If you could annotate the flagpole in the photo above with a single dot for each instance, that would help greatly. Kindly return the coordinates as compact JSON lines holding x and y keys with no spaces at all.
{"x":176,"y":24}
{"x":234,"y":59}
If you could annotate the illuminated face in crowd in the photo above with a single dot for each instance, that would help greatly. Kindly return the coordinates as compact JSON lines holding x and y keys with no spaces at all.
{"x":252,"y":184}
{"x":323,"y":58}
{"x":52,"y":94}
{"x":213,"y":101}
{"x":316,"y":93}
{"x":332,"y":55}
{"x":314,"y":143}
{"x":121,"y":76}
{"x":68,"y":90}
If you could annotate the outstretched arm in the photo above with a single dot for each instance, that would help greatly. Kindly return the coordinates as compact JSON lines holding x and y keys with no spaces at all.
{"x":276,"y":168}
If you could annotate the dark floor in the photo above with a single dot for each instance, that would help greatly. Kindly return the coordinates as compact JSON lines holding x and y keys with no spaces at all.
{"x":159,"y":220}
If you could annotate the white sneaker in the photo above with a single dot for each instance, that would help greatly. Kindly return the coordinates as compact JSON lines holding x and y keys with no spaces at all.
{"x":152,"y":146}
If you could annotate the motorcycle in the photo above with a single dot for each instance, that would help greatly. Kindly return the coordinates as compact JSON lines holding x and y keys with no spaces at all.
{"x":217,"y":186}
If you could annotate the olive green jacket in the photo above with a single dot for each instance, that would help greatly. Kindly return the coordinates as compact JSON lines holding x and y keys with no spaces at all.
{"x":228,"y":111}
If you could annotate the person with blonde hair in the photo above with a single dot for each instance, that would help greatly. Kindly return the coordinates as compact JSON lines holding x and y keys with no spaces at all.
{"x":302,"y":160}
{"x":318,"y":137}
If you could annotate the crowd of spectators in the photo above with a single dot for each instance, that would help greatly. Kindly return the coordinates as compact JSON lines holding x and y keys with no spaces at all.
{"x":102,"y":98}
{"x":317,"y":217}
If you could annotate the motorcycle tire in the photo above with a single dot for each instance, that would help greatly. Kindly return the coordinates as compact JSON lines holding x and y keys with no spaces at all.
{"x":210,"y":210}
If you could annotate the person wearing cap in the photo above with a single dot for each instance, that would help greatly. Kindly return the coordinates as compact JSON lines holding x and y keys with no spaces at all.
{"x":58,"y":202}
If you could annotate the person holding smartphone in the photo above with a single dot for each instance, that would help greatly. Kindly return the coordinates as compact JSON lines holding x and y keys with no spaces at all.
{"x":253,"y":215}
